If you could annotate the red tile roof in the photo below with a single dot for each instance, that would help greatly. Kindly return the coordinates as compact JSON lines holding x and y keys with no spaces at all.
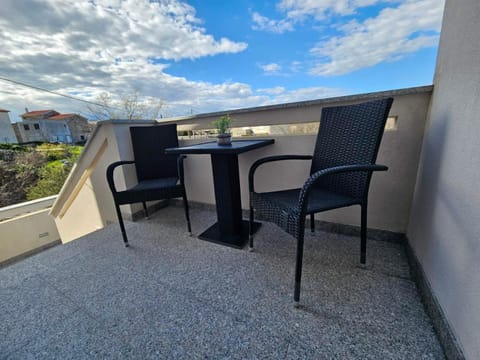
{"x":36,"y":113}
{"x":61,"y":116}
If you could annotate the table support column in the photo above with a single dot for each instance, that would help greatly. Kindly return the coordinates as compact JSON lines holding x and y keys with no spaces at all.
{"x":227,"y":193}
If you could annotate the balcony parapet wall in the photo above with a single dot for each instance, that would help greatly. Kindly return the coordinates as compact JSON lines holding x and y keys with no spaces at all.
{"x":85,"y":201}
{"x":26,"y":228}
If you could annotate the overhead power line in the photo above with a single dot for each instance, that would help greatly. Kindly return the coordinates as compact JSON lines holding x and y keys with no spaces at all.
{"x":48,"y":91}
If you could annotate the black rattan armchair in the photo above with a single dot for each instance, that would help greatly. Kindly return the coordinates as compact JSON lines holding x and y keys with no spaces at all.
{"x":160,"y":176}
{"x":342,"y":164}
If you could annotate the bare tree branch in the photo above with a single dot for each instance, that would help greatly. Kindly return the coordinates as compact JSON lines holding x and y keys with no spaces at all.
{"x":131,"y":106}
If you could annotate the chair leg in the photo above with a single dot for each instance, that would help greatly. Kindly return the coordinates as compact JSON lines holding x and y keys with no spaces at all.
{"x":298,"y":267}
{"x":122,"y":226}
{"x":363,"y":236}
{"x":187,"y":214}
{"x":312,"y":222}
{"x":250,"y":229}
{"x":145,"y":209}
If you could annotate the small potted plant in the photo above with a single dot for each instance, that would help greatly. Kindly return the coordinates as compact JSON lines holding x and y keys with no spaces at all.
{"x":222,"y":125}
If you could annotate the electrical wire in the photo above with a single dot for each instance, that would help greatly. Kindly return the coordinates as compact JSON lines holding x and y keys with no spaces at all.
{"x":48,"y":91}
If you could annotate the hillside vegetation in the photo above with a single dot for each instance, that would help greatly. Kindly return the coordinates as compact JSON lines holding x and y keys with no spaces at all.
{"x":32,"y":172}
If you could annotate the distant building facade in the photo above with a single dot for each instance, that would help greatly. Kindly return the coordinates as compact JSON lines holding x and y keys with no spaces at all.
{"x":51,"y":126}
{"x":7,"y":135}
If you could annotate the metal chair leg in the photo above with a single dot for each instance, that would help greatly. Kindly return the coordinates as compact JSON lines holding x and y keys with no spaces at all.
{"x":298,"y":267}
{"x":122,"y":226}
{"x":187,"y":214}
{"x":145,"y":209}
{"x":363,"y":235}
{"x":250,"y":230}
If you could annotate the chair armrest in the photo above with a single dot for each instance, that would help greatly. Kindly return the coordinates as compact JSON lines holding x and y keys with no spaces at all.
{"x":111,"y":168}
{"x":267,"y":159}
{"x":307,"y":187}
{"x":180,"y":171}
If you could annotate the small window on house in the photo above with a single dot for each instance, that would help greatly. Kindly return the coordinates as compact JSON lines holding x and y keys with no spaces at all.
{"x":26,"y":127}
{"x":36,"y":126}
{"x":82,"y":137}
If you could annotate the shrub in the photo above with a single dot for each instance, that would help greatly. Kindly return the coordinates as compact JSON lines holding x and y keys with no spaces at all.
{"x":29,"y":173}
{"x":53,"y":151}
{"x":53,"y":174}
{"x":17,"y":175}
{"x":51,"y":178}
{"x":13,"y":147}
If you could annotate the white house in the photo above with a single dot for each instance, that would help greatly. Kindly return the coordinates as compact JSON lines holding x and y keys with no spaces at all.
{"x":51,"y":126}
{"x":7,"y":135}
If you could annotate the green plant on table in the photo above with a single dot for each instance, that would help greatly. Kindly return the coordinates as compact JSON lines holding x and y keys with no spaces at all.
{"x":223,"y":124}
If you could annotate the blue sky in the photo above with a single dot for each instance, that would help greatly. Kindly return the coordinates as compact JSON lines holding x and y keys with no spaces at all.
{"x":200,"y":56}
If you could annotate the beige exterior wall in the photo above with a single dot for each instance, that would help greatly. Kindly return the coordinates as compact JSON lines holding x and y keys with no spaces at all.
{"x":390,"y":193}
{"x":77,"y":210}
{"x":73,"y":225}
{"x":445,"y":222}
{"x":26,"y":227}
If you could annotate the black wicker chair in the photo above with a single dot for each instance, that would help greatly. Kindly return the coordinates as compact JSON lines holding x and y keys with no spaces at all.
{"x":341,"y":169}
{"x":159,"y":176}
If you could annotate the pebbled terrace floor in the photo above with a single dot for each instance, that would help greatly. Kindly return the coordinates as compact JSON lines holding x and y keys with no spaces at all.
{"x":172,"y":296}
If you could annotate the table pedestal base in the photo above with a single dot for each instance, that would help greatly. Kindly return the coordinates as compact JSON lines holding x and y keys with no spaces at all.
{"x":213,"y":234}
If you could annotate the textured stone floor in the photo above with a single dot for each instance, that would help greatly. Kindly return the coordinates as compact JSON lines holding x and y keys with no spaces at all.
{"x":172,"y":296}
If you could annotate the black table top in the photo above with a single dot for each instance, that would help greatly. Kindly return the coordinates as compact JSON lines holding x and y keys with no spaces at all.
{"x":237,"y":147}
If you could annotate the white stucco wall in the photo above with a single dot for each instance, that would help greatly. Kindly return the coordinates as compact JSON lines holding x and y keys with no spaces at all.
{"x":444,"y":228}
{"x":7,"y":135}
{"x":56,"y":130}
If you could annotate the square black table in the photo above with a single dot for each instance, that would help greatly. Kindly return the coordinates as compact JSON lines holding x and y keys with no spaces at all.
{"x":230,"y":228}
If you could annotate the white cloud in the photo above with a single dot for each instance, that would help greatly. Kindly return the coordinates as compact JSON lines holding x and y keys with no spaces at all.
{"x":405,"y":27}
{"x":319,"y":9}
{"x":88,"y":47}
{"x":287,"y":70}
{"x":304,"y":94}
{"x":164,"y":29}
{"x":295,"y":66}
{"x":298,"y":10}
{"x":266,"y":24}
{"x":395,"y":32}
{"x":271,"y":69}
{"x":272,"y":91}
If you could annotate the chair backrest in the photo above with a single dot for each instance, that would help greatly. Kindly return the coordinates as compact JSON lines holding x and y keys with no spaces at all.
{"x":149,"y":143}
{"x":350,"y":135}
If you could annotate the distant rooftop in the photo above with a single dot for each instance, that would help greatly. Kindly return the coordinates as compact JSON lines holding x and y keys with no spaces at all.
{"x":61,"y":116}
{"x":47,"y":114}
{"x":38,"y":113}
